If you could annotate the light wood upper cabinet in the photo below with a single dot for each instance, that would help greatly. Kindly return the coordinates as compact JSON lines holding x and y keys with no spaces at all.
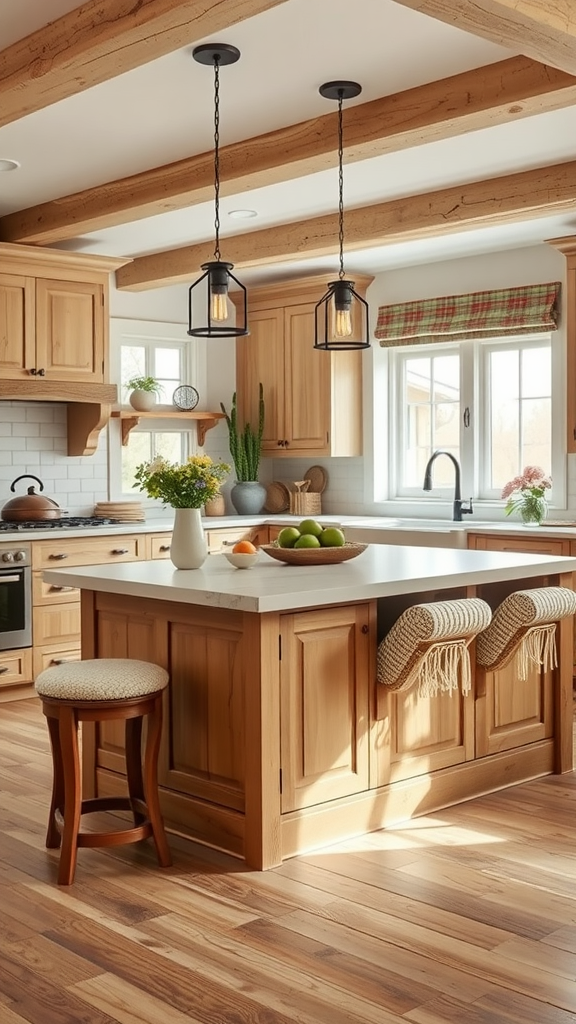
{"x":17,"y":323}
{"x":313,"y":399}
{"x":70,"y":329}
{"x":53,"y":315}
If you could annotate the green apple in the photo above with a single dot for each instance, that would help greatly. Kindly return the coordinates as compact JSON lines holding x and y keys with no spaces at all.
{"x":288,"y":537}
{"x":310,"y":526}
{"x":307,"y":540}
{"x":332,"y":537}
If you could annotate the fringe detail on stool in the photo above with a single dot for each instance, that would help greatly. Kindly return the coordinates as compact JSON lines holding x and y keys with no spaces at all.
{"x":537,"y":648}
{"x":443,"y":665}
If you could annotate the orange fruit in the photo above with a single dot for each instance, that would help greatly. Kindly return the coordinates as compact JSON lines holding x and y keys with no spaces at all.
{"x":244,"y":547}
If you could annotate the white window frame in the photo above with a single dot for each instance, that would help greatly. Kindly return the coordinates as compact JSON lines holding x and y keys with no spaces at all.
{"x":389,"y":423}
{"x":150,"y":333}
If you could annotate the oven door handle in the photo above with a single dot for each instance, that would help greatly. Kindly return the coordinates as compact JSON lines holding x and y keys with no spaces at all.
{"x":10,"y":579}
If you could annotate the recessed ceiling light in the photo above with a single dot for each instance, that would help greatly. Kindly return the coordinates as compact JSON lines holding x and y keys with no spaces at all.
{"x":242,"y":214}
{"x":8,"y":165}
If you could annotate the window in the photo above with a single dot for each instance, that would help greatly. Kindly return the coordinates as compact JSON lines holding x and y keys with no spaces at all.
{"x":164,"y":351}
{"x":489,"y":403}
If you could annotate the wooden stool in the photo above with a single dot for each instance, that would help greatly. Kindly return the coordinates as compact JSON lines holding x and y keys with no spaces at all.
{"x":102,"y":690}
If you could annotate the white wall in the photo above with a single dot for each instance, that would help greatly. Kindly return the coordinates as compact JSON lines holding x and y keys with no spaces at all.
{"x":33,"y":435}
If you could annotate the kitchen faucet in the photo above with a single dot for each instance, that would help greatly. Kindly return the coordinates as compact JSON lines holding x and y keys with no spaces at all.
{"x":458,"y":506}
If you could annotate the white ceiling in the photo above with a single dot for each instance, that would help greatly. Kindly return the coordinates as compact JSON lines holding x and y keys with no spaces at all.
{"x":162,"y":112}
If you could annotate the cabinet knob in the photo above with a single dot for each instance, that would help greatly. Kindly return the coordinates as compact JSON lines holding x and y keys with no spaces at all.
{"x":365,"y":629}
{"x":58,"y":557}
{"x":3,"y":669}
{"x":119,"y":551}
{"x":41,"y":372}
{"x":33,"y":371}
{"x":164,"y":547}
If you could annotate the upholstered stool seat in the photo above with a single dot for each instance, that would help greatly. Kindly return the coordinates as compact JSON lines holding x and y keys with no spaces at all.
{"x":428,"y":644}
{"x":100,"y":690}
{"x":524,"y":625}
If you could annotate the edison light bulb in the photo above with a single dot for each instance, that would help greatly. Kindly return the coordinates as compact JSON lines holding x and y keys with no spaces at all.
{"x":343,"y":323}
{"x":218,"y":305}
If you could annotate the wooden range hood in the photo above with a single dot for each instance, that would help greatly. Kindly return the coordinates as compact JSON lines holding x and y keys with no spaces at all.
{"x":89,"y":406}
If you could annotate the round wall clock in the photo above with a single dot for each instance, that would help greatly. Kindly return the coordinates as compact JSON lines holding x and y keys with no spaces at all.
{"x":185,"y":398}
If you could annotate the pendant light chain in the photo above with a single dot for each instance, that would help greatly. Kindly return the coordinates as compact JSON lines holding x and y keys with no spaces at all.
{"x":216,"y":157}
{"x":340,"y":186}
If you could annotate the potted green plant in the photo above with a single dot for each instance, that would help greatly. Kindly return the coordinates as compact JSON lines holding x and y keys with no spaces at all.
{"x":144,"y":392}
{"x":247,"y":495}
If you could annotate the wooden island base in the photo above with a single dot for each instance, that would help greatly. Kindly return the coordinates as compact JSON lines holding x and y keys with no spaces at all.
{"x":277,"y":738}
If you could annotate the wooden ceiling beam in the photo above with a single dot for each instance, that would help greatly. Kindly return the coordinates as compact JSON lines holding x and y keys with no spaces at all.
{"x":539,"y":28}
{"x":481,"y":204}
{"x":103,"y":39}
{"x":473,"y":100}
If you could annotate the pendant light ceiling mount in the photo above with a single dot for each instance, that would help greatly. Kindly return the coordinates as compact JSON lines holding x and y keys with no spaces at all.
{"x":217,"y":273}
{"x":340,"y":90}
{"x":334,"y":314}
{"x":212,"y":53}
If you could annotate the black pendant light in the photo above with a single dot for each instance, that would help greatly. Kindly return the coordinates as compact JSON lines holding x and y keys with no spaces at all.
{"x":341,"y":307}
{"x":217,"y":274}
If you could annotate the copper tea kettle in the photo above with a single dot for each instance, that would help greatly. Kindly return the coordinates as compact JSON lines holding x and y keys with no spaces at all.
{"x":30,"y":506}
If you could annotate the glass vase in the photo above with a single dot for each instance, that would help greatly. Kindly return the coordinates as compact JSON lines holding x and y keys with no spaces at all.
{"x":188,"y":547}
{"x":534,"y":512}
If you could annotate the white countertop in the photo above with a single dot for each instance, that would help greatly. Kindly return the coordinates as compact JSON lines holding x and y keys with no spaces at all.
{"x":380,"y":571}
{"x":379,"y":523}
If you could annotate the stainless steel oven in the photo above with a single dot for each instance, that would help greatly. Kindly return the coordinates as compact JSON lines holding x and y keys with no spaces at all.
{"x":15,"y":597}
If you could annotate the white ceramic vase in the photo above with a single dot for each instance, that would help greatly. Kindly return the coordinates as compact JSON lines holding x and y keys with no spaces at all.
{"x":188,"y":547}
{"x":142,"y":401}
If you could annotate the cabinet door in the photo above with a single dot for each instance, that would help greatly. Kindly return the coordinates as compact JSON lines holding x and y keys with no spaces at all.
{"x":17,"y":326}
{"x":307,"y":385}
{"x":70,"y":330}
{"x":511,"y":712}
{"x":260,"y":359}
{"x":426,"y":734}
{"x":325,"y":671}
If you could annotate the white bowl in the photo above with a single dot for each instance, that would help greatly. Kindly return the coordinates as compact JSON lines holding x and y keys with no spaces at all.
{"x":241,"y":560}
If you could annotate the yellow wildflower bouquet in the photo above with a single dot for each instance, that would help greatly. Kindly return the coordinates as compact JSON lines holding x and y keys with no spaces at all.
{"x":189,"y":485}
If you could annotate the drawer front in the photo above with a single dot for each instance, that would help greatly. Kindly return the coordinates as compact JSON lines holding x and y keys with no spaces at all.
{"x":54,"y":654}
{"x":160,"y":545}
{"x":15,"y":667}
{"x":87,"y":551}
{"x":220,"y":540}
{"x":56,"y":624}
{"x":49,"y":593}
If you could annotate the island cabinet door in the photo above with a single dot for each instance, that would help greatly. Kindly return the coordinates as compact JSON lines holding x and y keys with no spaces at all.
{"x":325,"y":675}
{"x":202,"y":753}
{"x":422,"y":734}
{"x":511,"y":712}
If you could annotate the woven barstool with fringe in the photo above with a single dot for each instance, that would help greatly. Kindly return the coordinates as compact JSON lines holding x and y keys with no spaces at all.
{"x":428,"y":644}
{"x":103,"y":690}
{"x":524,"y":625}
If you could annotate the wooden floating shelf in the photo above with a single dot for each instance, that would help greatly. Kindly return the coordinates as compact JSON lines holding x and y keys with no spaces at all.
{"x":130,"y":419}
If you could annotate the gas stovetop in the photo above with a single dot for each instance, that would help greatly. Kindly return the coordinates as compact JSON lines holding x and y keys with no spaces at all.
{"x":65,"y":523}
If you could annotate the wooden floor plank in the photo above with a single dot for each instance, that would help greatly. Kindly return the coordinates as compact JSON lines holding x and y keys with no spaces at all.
{"x":464,"y":916}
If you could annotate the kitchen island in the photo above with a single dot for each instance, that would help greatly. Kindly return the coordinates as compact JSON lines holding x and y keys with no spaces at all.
{"x":277,"y":738}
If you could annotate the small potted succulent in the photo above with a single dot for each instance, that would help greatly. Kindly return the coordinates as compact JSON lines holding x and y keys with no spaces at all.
{"x":144,"y":392}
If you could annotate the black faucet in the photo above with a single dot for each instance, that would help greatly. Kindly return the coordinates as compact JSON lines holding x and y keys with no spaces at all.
{"x":459,"y":507}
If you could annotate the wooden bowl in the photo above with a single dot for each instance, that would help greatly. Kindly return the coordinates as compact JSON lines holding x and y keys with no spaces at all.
{"x":314,"y":556}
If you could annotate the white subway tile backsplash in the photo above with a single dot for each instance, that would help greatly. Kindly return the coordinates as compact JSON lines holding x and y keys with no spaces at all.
{"x":33,"y":439}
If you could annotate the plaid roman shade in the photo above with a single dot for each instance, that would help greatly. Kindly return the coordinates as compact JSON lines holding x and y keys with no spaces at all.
{"x":489,"y":314}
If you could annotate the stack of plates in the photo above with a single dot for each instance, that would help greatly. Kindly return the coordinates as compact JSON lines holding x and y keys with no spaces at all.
{"x":125,"y":511}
